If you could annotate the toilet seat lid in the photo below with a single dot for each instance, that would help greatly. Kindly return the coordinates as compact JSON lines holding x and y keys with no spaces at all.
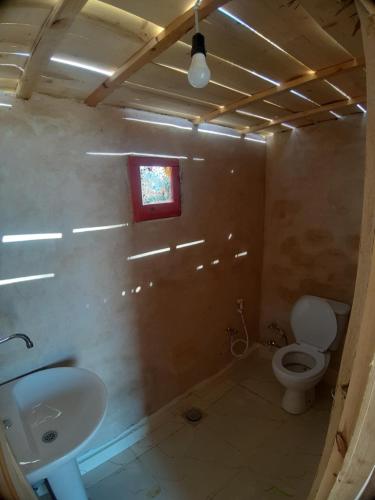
{"x":314,"y":322}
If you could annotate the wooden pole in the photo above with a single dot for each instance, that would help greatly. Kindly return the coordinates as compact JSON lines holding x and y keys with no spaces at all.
{"x":341,"y":472}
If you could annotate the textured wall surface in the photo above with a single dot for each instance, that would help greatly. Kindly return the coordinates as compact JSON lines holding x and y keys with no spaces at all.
{"x":314,"y":186}
{"x":150,"y":346}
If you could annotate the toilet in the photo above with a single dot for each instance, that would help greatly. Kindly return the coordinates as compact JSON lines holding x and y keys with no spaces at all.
{"x":318,"y":325}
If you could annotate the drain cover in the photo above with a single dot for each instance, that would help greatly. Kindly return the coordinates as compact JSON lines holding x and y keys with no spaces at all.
{"x":193,"y":414}
{"x":49,"y":436}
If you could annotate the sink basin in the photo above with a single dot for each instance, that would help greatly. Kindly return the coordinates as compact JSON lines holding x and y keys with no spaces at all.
{"x":50,"y":416}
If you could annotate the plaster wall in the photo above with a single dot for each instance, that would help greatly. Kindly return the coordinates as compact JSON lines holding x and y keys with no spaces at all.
{"x":314,"y":191}
{"x":150,"y":346}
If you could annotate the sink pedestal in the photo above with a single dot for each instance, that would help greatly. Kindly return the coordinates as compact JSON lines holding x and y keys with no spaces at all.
{"x":66,"y":482}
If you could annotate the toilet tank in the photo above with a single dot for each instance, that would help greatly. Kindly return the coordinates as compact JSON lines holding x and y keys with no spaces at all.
{"x":341,"y":311}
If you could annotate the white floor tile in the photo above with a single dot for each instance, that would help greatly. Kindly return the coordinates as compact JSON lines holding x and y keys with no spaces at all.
{"x":124,"y":458}
{"x":171,"y":425}
{"x":99,"y":473}
{"x":246,"y":447}
{"x":271,"y":391}
{"x":129,"y":483}
{"x":202,"y":444}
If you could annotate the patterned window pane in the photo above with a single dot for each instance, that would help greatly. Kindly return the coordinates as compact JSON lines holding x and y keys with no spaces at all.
{"x":156,"y":185}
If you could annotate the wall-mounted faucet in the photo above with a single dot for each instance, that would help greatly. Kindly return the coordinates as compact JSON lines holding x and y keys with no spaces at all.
{"x":22,"y":336}
{"x":280,"y":332}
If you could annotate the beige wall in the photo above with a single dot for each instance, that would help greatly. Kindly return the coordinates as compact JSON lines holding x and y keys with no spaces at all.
{"x":150,"y":347}
{"x":314,"y":181}
{"x":147,"y":347}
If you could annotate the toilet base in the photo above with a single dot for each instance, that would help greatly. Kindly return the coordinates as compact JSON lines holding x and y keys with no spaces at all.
{"x":297,"y":402}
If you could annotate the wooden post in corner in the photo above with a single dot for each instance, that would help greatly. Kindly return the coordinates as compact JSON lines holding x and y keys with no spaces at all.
{"x":341,"y":477}
{"x":13,"y":485}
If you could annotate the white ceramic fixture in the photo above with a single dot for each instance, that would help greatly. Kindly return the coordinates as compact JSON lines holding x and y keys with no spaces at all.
{"x":50,"y":416}
{"x":318,"y":325}
{"x":199,"y":73}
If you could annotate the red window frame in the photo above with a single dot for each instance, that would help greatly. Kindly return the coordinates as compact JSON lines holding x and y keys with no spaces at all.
{"x":160,"y":210}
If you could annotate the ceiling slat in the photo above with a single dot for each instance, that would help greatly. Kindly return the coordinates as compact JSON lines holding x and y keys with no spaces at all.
{"x":278,"y":40}
{"x":49,"y":36}
{"x":160,"y":12}
{"x":305,"y":114}
{"x":229,"y":40}
{"x":290,"y":84}
{"x":292,"y":28}
{"x":339,"y":20}
{"x":171,"y":34}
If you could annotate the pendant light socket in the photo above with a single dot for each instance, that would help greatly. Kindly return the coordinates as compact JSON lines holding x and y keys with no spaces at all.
{"x":198,"y":44}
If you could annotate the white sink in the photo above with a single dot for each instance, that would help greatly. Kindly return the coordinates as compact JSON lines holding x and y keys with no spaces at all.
{"x":50,"y":416}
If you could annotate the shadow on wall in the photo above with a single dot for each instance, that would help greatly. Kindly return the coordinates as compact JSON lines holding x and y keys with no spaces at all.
{"x":62,"y":363}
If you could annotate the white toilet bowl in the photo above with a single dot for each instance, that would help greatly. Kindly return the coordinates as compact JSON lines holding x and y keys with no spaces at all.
{"x":299,"y":367}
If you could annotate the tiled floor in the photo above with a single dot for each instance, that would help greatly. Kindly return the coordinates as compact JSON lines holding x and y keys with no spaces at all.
{"x":246,"y":447}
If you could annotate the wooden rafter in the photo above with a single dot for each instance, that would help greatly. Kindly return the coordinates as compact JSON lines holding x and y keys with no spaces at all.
{"x":304,"y":114}
{"x":290,"y":84}
{"x":369,"y":6}
{"x":153,"y":48}
{"x":50,"y":35}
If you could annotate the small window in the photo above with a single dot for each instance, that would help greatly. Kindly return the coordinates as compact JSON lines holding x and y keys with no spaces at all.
{"x":155,"y":187}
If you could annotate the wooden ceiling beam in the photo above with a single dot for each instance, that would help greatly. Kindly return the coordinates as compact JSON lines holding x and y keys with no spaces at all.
{"x":369,"y":6}
{"x":288,"y":85}
{"x":50,"y":35}
{"x":153,"y":48}
{"x":304,"y":114}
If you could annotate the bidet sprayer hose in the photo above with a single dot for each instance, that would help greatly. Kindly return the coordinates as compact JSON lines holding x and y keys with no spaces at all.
{"x":244,"y":341}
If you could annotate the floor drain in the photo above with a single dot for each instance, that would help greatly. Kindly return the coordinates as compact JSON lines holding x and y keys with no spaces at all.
{"x":193,"y":414}
{"x":49,"y":436}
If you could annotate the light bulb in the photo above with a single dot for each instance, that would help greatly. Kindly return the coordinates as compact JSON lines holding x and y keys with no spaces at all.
{"x":199,"y":73}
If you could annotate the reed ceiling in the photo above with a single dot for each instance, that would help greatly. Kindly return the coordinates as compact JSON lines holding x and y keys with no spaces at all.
{"x":257,"y":47}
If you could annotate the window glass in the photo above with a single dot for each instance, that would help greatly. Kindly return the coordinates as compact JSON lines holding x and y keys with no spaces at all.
{"x":156,"y":184}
